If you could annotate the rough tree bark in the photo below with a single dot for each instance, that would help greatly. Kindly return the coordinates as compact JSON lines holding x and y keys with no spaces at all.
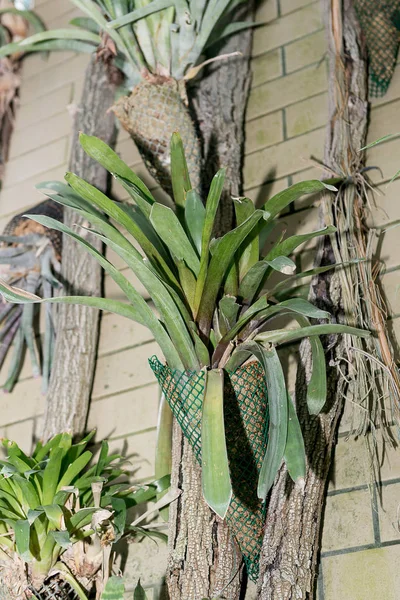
{"x":204,"y":559}
{"x":78,"y":326}
{"x":292,"y":533}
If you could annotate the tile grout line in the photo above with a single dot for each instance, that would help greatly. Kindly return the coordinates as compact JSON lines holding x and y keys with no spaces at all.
{"x":294,"y":72}
{"x":321,"y":591}
{"x":363,"y":548}
{"x":288,"y":43}
{"x":375,"y":518}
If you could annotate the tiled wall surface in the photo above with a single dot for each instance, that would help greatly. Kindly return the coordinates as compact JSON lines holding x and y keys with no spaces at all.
{"x":286,"y":118}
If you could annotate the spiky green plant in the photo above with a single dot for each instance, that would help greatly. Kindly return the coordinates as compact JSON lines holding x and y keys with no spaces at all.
{"x":213,"y":300}
{"x":159,"y":46}
{"x":60,"y":513}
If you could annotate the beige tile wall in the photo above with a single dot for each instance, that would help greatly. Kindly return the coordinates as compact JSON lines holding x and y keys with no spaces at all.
{"x":285,"y":126}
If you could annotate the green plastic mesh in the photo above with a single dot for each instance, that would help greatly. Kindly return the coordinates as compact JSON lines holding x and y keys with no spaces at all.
{"x":246,"y":428}
{"x":380,"y":22}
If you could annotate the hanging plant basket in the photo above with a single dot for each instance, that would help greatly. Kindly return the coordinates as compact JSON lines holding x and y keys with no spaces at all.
{"x":246,"y":427}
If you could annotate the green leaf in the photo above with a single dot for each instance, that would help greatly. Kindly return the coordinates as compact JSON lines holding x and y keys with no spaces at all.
{"x":139,"y":593}
{"x":132,"y":295}
{"x":82,"y":518}
{"x":168,"y":227}
{"x":228,"y":312}
{"x":107,"y":158}
{"x":179,"y":173}
{"x":216,"y":481}
{"x":395,"y":176}
{"x":219,"y":266}
{"x":61,"y":538}
{"x":50,"y":46}
{"x":310,"y":273}
{"x":42,"y":451}
{"x":22,"y":533}
{"x":280,"y":201}
{"x":85,"y":23}
{"x":136,"y":195}
{"x":290,"y":244}
{"x":187,"y":281}
{"x":300,"y":306}
{"x":74,"y":470}
{"x":200,"y":347}
{"x":119,"y":518}
{"x":282,"y":336}
{"x":278,"y":415}
{"x":139,"y":13}
{"x":379,"y":141}
{"x":114,"y":589}
{"x":114,"y":211}
{"x":195,"y":213}
{"x":51,"y":474}
{"x":295,"y":454}
{"x":163,"y":458}
{"x":60,"y":34}
{"x":101,"y":462}
{"x":54,"y":514}
{"x":18,"y":458}
{"x":317,"y":385}
{"x":244,"y":208}
{"x":32,"y":18}
{"x":170,"y":314}
{"x":212,"y":203}
{"x":282,"y":264}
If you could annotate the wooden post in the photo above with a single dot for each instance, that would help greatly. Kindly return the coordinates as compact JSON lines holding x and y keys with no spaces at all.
{"x":292,"y":533}
{"x":78,"y":326}
{"x":204,"y":559}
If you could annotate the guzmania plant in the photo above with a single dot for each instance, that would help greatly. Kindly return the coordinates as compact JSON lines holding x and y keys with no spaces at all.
{"x":60,"y":514}
{"x":214,"y":306}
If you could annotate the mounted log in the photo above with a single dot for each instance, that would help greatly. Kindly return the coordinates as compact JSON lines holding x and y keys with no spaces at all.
{"x":204,"y":559}
{"x":78,"y":326}
{"x":293,"y":526}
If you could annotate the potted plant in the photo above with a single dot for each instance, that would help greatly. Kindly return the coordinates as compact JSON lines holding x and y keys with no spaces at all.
{"x":214,"y":310}
{"x":61,"y":511}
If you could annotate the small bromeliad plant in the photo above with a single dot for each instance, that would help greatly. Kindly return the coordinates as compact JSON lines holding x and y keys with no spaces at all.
{"x":159,"y":46}
{"x":60,"y":513}
{"x":213,"y":313}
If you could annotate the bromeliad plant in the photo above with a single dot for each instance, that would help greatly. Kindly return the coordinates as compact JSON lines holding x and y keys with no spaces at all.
{"x":214,"y":303}
{"x":159,"y":46}
{"x":60,"y":513}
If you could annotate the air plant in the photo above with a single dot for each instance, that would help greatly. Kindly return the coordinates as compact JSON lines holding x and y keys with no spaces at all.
{"x":214,"y":301}
{"x":60,"y":513}
{"x":30,"y":259}
{"x":159,"y":45}
{"x":14,"y":27}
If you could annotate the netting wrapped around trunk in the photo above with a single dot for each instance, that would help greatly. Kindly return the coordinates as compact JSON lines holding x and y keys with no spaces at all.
{"x":380,"y":23}
{"x":246,"y":427}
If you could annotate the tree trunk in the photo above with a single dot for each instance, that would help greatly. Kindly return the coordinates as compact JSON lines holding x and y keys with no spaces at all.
{"x":292,"y":533}
{"x":204,"y":558}
{"x":78,"y":326}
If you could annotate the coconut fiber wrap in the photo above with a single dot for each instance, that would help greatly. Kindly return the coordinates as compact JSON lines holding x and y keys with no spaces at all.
{"x":380,"y":22}
{"x":246,"y":429}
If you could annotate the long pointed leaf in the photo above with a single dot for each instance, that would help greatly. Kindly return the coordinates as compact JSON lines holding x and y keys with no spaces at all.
{"x":216,"y":481}
{"x":218,"y":268}
{"x":278,"y":415}
{"x":170,"y":230}
{"x":212,"y":203}
{"x":295,"y":454}
{"x":280,"y":201}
